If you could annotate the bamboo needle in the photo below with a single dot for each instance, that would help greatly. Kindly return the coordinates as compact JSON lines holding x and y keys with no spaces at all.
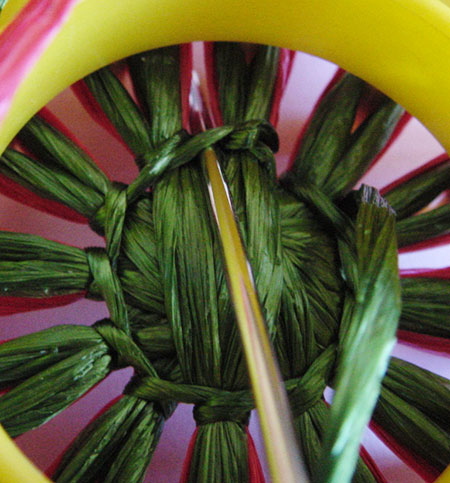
{"x":281,"y":448}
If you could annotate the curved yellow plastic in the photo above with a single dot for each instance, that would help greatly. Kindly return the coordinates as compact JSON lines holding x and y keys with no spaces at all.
{"x":400,"y":46}
{"x":445,"y":476}
{"x":14,"y":466}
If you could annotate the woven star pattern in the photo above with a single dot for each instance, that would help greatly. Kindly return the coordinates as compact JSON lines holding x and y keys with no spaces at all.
{"x":324,"y":256}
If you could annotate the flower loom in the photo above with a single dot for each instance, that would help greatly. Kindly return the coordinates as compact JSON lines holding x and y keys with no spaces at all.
{"x":323,"y":255}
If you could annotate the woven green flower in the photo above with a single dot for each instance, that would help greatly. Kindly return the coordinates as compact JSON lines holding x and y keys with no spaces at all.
{"x":324,"y":257}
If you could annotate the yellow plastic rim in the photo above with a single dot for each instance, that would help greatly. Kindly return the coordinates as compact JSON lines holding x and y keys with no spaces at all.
{"x":400,"y":46}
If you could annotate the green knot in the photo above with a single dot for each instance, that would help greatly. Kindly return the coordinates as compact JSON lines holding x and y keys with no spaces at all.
{"x":181,"y":148}
{"x":251,"y":134}
{"x":221,"y":410}
{"x":214,"y":404}
{"x":257,"y":136}
{"x":211,"y":404}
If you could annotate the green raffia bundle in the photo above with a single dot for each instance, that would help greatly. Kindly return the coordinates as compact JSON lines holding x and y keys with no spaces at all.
{"x":324,"y":259}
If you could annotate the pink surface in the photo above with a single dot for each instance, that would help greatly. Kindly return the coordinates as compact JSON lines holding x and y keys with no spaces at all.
{"x":413,"y":147}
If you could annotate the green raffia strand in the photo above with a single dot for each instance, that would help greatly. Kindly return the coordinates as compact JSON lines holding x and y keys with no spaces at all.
{"x":310,"y":273}
{"x":426,"y":391}
{"x":137,"y":293}
{"x":414,"y":407}
{"x":162,"y":278}
{"x":198,"y":278}
{"x":45,"y":394}
{"x":124,"y":346}
{"x":365,"y":143}
{"x":312,"y":424}
{"x":50,"y":182}
{"x":107,"y":284}
{"x":120,"y":109}
{"x":416,"y":193}
{"x":334,"y":158}
{"x":156,"y":340}
{"x":156,"y":81}
{"x":138,"y":268}
{"x":122,"y":439}
{"x":425,"y":306}
{"x":26,"y":356}
{"x":55,"y":149}
{"x":367,"y":335}
{"x":262,"y":77}
{"x":212,"y":465}
{"x":31,"y":266}
{"x":328,"y":134}
{"x":251,"y":174}
{"x":426,"y":225}
{"x":138,"y":243}
{"x":232,"y":72}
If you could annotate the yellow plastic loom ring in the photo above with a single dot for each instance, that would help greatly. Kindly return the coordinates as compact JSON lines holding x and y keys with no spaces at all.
{"x":400,"y":46}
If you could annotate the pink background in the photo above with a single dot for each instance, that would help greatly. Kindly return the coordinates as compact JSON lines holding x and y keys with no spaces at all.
{"x":414,"y":147}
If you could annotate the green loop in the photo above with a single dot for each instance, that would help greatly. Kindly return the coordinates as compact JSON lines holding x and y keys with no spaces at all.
{"x":109,"y":219}
{"x":106,"y":283}
{"x":115,"y":210}
{"x":127,"y":351}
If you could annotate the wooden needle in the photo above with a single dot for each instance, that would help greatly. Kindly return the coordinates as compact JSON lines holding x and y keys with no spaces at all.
{"x":281,"y":448}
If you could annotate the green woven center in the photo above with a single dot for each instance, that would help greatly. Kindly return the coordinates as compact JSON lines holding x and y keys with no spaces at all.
{"x":324,"y":259}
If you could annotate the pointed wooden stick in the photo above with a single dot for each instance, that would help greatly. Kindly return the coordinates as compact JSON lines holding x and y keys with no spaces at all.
{"x":270,"y":396}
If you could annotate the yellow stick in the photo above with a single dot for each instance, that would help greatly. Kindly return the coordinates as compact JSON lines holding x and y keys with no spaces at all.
{"x":268,"y":389}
